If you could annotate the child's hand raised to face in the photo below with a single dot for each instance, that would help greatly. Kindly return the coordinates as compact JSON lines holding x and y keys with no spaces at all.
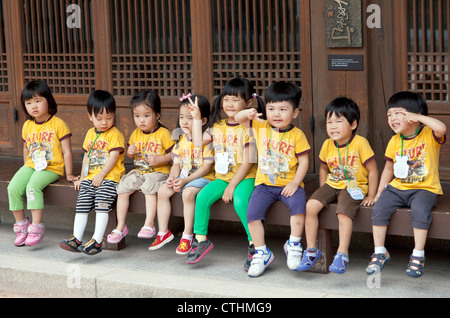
{"x":254,"y":115}
{"x":193,"y":108}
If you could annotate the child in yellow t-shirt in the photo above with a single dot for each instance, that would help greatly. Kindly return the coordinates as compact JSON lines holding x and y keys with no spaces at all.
{"x":190,"y":172}
{"x":47,"y":153}
{"x":103,"y":166}
{"x":149,"y":145}
{"x":348,"y":174}
{"x":283,"y":160}
{"x":410,"y":175}
{"x":234,"y":171}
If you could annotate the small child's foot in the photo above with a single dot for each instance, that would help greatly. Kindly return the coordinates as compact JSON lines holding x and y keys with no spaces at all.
{"x":416,"y":266}
{"x":147,"y":232}
{"x":339,"y":265}
{"x":161,"y":240}
{"x":198,"y":251}
{"x":251,"y":252}
{"x":36,"y":233}
{"x":293,"y":251}
{"x":261,"y":260}
{"x":71,"y":244}
{"x":20,"y":228}
{"x":309,"y":258}
{"x":91,"y":247}
{"x":377,"y":263}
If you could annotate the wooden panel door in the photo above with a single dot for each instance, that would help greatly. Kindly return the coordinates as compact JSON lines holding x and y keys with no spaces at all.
{"x":423,"y":59}
{"x":9,"y":108}
{"x":264,"y":41}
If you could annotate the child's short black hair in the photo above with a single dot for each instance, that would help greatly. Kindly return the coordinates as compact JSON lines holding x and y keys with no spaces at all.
{"x":412,"y":102}
{"x":99,"y":100}
{"x":38,"y":88}
{"x":203,"y":105}
{"x":346,"y":107}
{"x":149,"y":98}
{"x":284,"y":92}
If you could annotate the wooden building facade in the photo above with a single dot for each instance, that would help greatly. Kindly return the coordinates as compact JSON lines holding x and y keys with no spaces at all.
{"x":181,"y":46}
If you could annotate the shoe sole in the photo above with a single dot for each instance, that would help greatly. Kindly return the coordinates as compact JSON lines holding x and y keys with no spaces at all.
{"x":272,"y":258}
{"x":35,"y":244}
{"x":167,"y":240}
{"x":69,"y":248}
{"x":201,"y":256}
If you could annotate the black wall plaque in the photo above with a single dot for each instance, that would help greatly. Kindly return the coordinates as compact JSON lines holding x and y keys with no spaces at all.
{"x":345,"y":62}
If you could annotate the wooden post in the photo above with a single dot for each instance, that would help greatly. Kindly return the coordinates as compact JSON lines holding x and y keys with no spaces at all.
{"x":202,"y":48}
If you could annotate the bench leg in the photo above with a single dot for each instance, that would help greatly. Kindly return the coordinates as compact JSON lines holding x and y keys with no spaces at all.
{"x":112,"y":224}
{"x":326,"y":246}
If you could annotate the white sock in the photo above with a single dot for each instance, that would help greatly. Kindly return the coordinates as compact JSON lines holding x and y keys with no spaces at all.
{"x":187,"y":236}
{"x":101,"y":221}
{"x":161,"y":233}
{"x":294,"y":239}
{"x":418,"y":253}
{"x":262,"y":248}
{"x":79,"y":225}
{"x":380,"y":250}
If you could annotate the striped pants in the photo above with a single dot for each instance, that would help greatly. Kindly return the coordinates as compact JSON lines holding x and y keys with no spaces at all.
{"x":99,"y":198}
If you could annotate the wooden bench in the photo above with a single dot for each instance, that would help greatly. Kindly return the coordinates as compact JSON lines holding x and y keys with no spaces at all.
{"x":62,"y":194}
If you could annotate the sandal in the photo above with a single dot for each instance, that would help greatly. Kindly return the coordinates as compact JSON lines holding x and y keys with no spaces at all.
{"x":147,"y":232}
{"x":116,"y":236}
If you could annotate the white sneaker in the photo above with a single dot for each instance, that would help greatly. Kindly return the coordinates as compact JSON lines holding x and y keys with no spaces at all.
{"x":294,"y":253}
{"x":261,"y":260}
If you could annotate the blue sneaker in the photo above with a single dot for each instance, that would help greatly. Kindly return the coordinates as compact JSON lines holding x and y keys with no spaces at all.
{"x":416,"y":266}
{"x":308,"y":260}
{"x":339,"y":265}
{"x":377,"y":263}
{"x":261,"y":260}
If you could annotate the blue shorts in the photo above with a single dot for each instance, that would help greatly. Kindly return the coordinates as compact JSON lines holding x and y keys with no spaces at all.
{"x":421,"y":202}
{"x":264,"y":196}
{"x":197,"y":183}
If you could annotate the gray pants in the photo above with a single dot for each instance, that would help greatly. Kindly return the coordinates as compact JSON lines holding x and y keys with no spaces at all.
{"x":421,"y":203}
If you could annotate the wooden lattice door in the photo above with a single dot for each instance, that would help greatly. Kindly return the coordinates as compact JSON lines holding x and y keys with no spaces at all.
{"x":423,"y":59}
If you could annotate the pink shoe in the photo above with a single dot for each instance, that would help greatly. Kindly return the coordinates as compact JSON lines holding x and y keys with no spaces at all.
{"x":116,"y":236}
{"x":21,"y":232}
{"x":35,"y":234}
{"x":147,"y":232}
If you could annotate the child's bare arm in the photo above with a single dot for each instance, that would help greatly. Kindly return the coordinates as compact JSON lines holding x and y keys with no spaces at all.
{"x":438,"y":127}
{"x":68,"y":159}
{"x":372,"y":169}
{"x":386,"y":177}
{"x":323,"y":173}
{"x":109,"y":165}
{"x":302,"y":169}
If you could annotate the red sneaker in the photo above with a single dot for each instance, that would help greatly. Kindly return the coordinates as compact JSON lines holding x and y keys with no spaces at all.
{"x":161,"y":240}
{"x":185,"y":246}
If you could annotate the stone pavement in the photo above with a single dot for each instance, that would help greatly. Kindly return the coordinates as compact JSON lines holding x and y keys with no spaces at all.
{"x":48,"y":271}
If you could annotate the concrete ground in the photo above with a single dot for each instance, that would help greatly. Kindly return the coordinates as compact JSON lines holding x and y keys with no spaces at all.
{"x":48,"y":271}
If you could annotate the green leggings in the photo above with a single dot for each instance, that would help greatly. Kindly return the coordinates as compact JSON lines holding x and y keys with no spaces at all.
{"x":30,"y":182}
{"x":213,"y":192}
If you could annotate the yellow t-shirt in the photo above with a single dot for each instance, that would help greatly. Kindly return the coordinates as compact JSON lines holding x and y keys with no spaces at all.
{"x":158,"y":142}
{"x":278,"y":153}
{"x":192,"y":158}
{"x":423,"y":160}
{"x":110,"y":140}
{"x":359,"y":153}
{"x":230,"y":140}
{"x":46,"y":137}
